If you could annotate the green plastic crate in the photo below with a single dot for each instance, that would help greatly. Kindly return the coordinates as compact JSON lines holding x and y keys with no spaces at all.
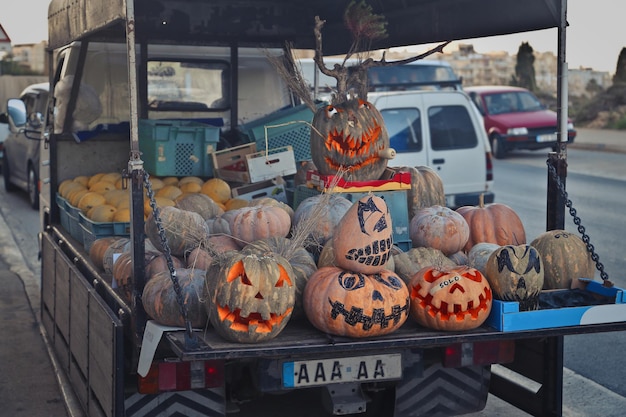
{"x":178,"y":147}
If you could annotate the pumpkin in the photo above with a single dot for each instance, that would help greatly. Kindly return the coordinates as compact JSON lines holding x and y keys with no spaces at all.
{"x":252,"y":295}
{"x":440,"y":228}
{"x":345,"y":303}
{"x":327,"y":256}
{"x":409,"y":262}
{"x":493,"y":223}
{"x":299,"y":258}
{"x":199,"y":258}
{"x":479,"y":254}
{"x":199,"y":203}
{"x":364,"y":236}
{"x":273,"y":202}
{"x":221,"y":243}
{"x":259,"y":222}
{"x":325,"y":210}
{"x":161,"y":304}
{"x":158,"y":264}
{"x":565,"y":259}
{"x":123,"y":272}
{"x":169,"y":191}
{"x":184,"y":230}
{"x":99,"y":247}
{"x":516,"y":273}
{"x":350,"y":135}
{"x":426,"y":188}
{"x":458,"y":298}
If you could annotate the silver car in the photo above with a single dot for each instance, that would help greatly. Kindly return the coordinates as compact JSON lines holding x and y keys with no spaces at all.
{"x":20,"y":160}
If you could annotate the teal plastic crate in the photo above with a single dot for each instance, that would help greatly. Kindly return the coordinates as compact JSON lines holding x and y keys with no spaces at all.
{"x":73,"y":214}
{"x":63,"y":214}
{"x":95,"y":230}
{"x":287,"y":127}
{"x":178,"y":147}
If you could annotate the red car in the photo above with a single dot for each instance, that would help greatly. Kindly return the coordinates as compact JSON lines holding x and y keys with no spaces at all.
{"x":515,"y":119}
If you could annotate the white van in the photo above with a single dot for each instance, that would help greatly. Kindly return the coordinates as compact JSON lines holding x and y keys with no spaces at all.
{"x":442,"y":130}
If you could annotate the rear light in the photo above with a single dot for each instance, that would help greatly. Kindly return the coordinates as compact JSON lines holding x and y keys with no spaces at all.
{"x":489,"y":166}
{"x":479,"y":353}
{"x":181,"y":376}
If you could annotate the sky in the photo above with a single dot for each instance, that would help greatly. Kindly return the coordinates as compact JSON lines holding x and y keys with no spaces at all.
{"x":594,"y":38}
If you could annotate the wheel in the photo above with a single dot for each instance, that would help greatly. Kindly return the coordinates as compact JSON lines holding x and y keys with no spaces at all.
{"x":498,"y":149}
{"x":6,"y":173}
{"x":33,"y":188}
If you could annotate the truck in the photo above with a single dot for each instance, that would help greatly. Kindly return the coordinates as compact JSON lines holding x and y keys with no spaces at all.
{"x":114,"y":69}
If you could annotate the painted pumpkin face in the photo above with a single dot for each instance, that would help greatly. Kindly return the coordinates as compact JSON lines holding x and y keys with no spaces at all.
{"x":516,"y":273}
{"x":456,"y":299}
{"x":349,"y":135}
{"x":253,"y":295}
{"x":345,"y":303}
{"x":364,"y":236}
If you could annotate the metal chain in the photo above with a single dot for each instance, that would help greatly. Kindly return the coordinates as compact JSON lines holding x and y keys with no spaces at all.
{"x":189,"y":337}
{"x":581,"y":229}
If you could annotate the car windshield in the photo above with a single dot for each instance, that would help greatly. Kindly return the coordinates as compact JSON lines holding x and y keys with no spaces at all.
{"x":512,"y":101}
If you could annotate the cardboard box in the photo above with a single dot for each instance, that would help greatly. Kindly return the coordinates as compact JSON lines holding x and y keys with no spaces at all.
{"x":261,"y":189}
{"x":506,"y":317}
{"x":390,"y":181}
{"x":244,"y":164}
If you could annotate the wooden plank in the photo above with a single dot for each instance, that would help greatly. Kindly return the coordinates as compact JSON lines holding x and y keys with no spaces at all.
{"x":47,"y":286}
{"x":62,"y":297}
{"x":102,"y":353}
{"x":79,"y":326}
{"x":79,"y":383}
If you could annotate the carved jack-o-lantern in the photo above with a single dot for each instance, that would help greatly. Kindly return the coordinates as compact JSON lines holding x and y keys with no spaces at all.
{"x":253,"y":295}
{"x":516,"y":274}
{"x":345,"y":303}
{"x":350,"y":135}
{"x":455,"y":299}
{"x":364,"y":236}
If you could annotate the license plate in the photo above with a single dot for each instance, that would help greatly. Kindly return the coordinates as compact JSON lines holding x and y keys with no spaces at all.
{"x":547,"y":138}
{"x":331,"y":371}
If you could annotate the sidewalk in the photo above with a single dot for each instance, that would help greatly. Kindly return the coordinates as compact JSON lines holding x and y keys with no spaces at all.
{"x":29,"y":381}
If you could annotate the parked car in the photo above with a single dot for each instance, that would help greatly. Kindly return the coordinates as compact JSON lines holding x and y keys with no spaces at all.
{"x":516,"y":119}
{"x":20,"y":160}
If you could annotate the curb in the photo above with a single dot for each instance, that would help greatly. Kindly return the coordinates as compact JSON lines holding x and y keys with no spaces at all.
{"x":598,"y":147}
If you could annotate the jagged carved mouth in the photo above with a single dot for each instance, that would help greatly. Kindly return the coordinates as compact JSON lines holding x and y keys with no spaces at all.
{"x":360,"y":150}
{"x":254,"y":322}
{"x":445,"y":311}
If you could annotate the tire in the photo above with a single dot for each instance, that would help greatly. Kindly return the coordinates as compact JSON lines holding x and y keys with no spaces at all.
{"x":33,"y":188}
{"x":498,"y":149}
{"x":6,"y":173}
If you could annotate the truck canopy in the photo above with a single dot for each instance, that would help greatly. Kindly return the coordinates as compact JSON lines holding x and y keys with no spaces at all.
{"x":272,"y":22}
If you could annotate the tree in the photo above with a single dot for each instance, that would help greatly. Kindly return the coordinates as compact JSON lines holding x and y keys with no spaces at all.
{"x":524,"y":68}
{"x":620,"y":71}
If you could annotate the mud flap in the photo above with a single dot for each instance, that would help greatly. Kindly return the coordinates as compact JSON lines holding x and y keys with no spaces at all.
{"x":194,"y":403}
{"x":443,"y":391}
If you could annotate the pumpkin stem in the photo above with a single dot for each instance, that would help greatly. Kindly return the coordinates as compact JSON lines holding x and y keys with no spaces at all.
{"x":481,"y":200}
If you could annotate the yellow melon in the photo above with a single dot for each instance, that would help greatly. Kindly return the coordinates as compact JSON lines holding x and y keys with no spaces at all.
{"x":160,"y":202}
{"x":66,"y":187}
{"x":111,"y":177}
{"x":169,"y":191}
{"x":102,"y":186}
{"x":95,"y":178}
{"x":190,"y":187}
{"x":122,"y":215}
{"x":157,"y":183}
{"x":102,"y":214}
{"x":122,"y":204}
{"x":75,"y":195}
{"x":89,"y":200}
{"x":114,"y":196}
{"x":235,"y":203}
{"x":170,"y":180}
{"x":82,"y":179}
{"x":185,"y":180}
{"x":218,"y":189}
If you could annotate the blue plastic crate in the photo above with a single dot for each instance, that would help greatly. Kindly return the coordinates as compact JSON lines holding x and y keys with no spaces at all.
{"x":63,"y":214}
{"x":178,"y":147}
{"x":287,"y":127}
{"x":95,"y":230}
{"x":73,"y":214}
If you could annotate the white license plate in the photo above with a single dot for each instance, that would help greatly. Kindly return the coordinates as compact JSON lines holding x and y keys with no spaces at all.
{"x":547,"y":138}
{"x":331,"y":371}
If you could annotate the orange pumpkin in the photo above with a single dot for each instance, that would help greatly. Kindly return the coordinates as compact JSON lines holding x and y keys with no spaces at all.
{"x":350,"y":135}
{"x":259,"y":222}
{"x":353,"y":304}
{"x":440,"y":228}
{"x":458,"y":298}
{"x":364,"y":236}
{"x":492,"y":223}
{"x":252,"y":295}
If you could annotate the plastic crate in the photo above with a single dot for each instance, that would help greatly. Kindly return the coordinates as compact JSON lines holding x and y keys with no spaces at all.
{"x":178,"y":147}
{"x":95,"y":230}
{"x":63,"y":214}
{"x":73,"y":214}
{"x":288,"y":127}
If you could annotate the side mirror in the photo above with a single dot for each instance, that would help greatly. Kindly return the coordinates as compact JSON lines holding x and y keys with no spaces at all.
{"x":16,"y":109}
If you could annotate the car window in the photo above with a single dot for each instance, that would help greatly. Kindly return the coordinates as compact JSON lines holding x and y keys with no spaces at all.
{"x":528,"y":102}
{"x":404,"y":128}
{"x":451,"y":128}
